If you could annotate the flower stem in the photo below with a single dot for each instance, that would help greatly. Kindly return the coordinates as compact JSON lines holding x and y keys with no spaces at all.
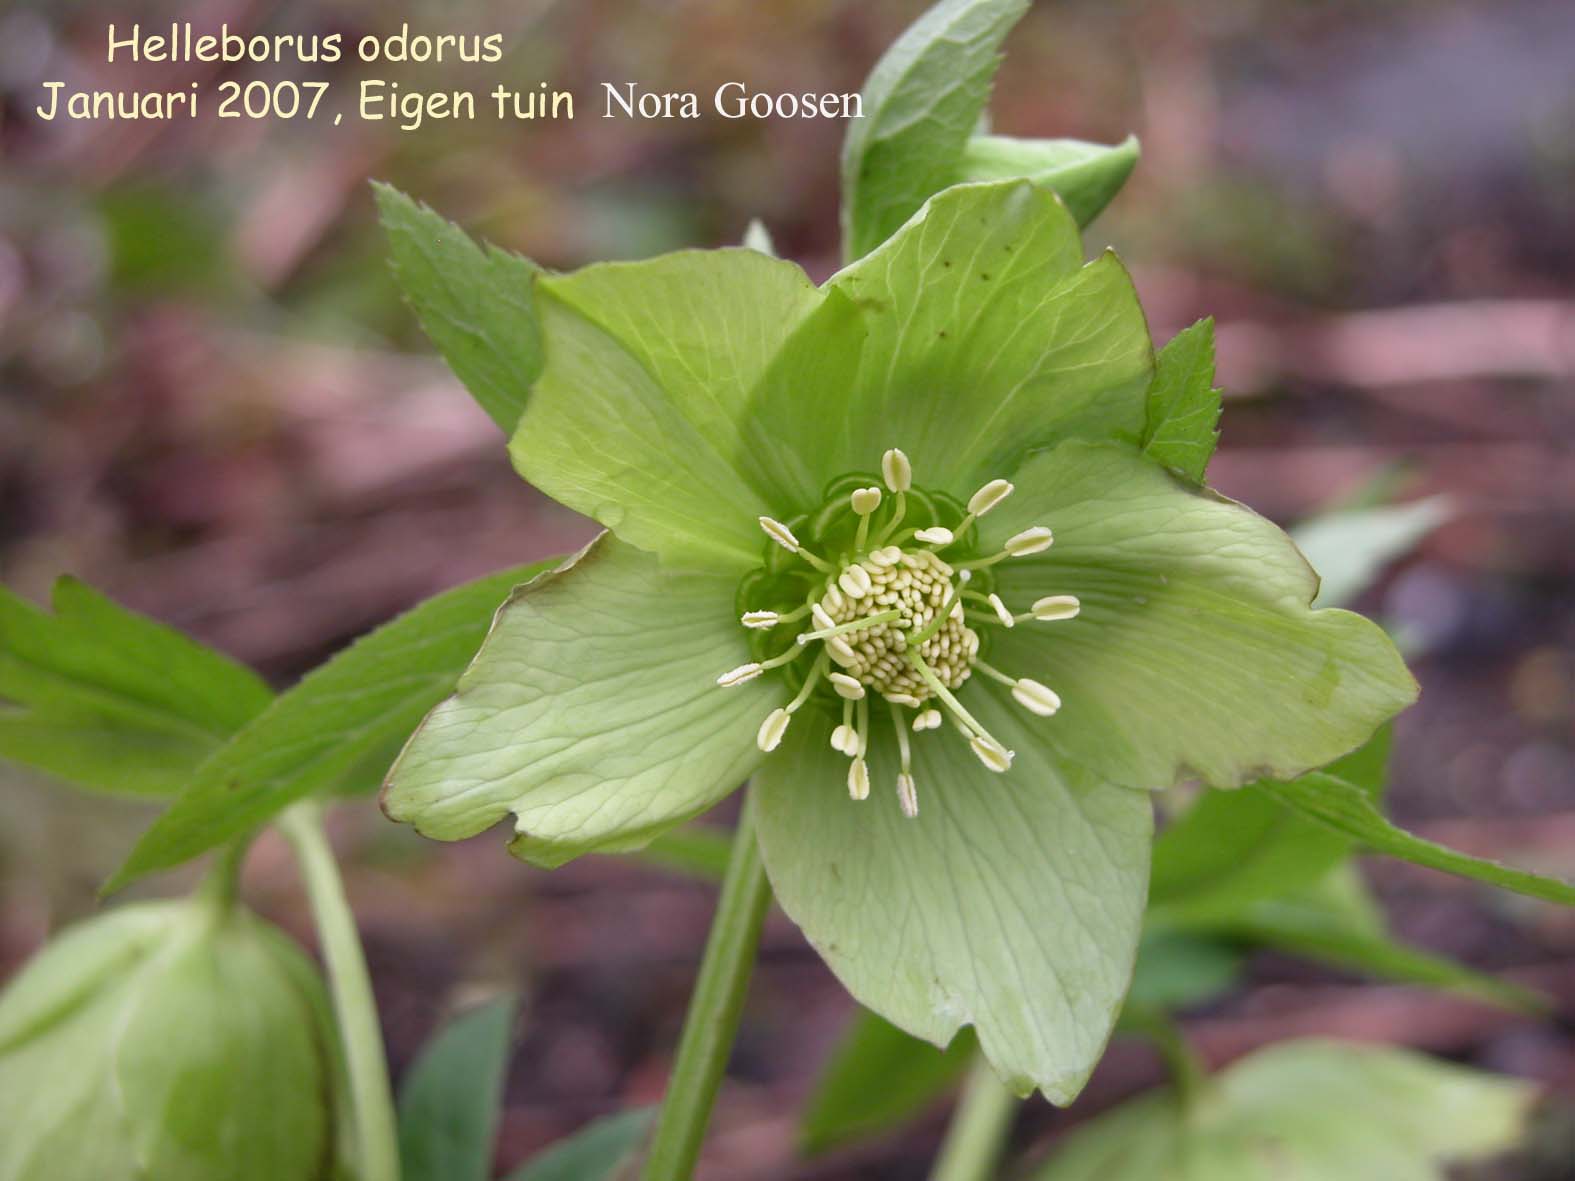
{"x":978,"y":1130}
{"x":714,"y":1009}
{"x":371,"y":1098}
{"x":1189,"y":1074}
{"x":222,"y":884}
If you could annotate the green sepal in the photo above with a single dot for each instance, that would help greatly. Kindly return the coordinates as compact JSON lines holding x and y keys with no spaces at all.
{"x":592,"y":712}
{"x":636,"y":418}
{"x":1011,"y":903}
{"x":1195,"y":654}
{"x":972,"y":337}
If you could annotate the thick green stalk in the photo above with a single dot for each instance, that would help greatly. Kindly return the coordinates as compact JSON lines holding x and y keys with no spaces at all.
{"x":714,"y":1009}
{"x":978,"y":1130}
{"x":371,"y":1097}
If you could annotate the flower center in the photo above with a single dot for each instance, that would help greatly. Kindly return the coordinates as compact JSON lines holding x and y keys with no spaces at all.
{"x":918,"y":584}
{"x":894,"y":617}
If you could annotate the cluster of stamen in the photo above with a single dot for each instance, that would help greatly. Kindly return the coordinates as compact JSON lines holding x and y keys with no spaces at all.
{"x":918,"y":585}
{"x":897,"y":621}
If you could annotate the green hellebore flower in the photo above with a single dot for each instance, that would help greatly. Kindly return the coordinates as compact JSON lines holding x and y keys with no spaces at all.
{"x":845,"y":520}
{"x":181,"y":1041}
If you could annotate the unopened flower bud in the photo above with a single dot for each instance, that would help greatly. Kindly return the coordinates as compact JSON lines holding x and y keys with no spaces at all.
{"x":180,"y":1041}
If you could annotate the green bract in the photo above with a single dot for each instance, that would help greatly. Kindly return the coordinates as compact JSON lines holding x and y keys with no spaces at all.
{"x":830,"y":516}
{"x":182,"y":1041}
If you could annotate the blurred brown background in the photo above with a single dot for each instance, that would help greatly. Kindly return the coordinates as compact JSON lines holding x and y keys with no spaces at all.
{"x":214,"y":406}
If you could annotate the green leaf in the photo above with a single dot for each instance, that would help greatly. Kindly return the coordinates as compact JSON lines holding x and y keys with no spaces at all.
{"x":595,"y":1153}
{"x":1011,"y":902}
{"x":1183,"y":405}
{"x":635,"y":419}
{"x":349,"y":713}
{"x":110,"y":700}
{"x":877,"y":1078}
{"x":1085,"y":176}
{"x":921,"y":103}
{"x":1176,"y":969}
{"x":1312,"y":1110}
{"x":1232,"y":848}
{"x":1350,"y":549}
{"x":1195,"y":653}
{"x":475,"y":303}
{"x":1346,"y":808}
{"x":1336,"y":922}
{"x":449,"y":1102}
{"x":592,"y":713}
{"x":969,"y":339}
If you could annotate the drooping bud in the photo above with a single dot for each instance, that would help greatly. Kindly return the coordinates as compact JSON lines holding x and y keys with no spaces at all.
{"x":907,"y":795}
{"x":988,"y":497}
{"x":180,"y":1041}
{"x":896,"y":470}
{"x":935,"y":535}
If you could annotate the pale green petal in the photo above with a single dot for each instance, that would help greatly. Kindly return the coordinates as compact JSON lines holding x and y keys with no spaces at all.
{"x":634,"y":420}
{"x":978,"y":335}
{"x":592,"y":712}
{"x":1012,"y":902}
{"x":1196,"y":653}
